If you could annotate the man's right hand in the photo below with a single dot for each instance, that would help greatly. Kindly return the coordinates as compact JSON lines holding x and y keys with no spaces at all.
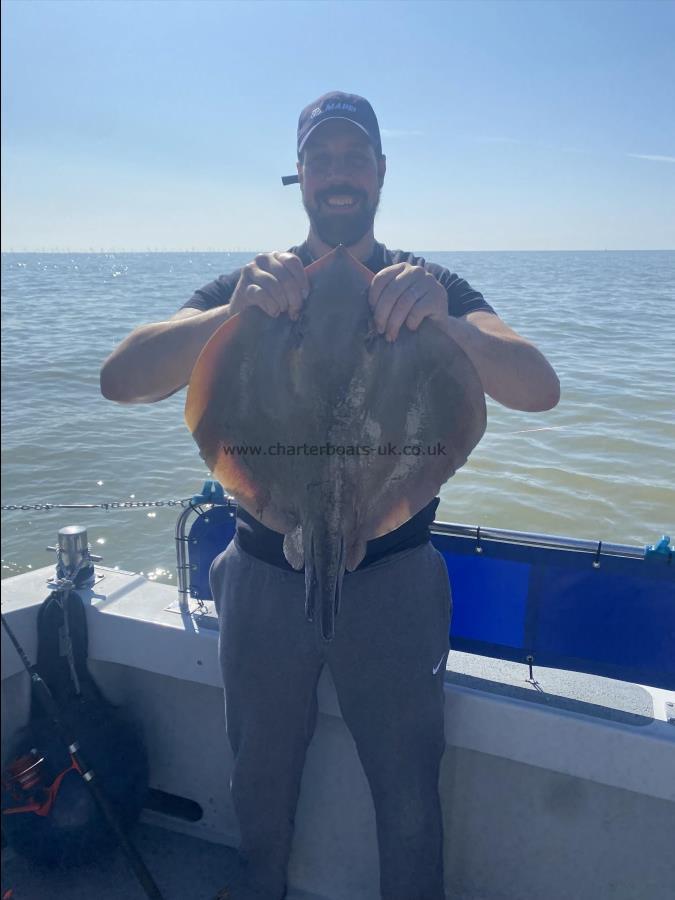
{"x":276,"y":282}
{"x":156,"y":360}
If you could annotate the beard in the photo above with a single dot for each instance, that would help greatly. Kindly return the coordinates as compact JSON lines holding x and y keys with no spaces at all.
{"x":338,"y":227}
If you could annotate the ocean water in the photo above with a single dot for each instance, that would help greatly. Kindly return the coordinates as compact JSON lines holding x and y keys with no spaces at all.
{"x":600,"y":466}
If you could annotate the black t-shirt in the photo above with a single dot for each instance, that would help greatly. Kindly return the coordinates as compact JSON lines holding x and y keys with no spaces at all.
{"x":262,"y":542}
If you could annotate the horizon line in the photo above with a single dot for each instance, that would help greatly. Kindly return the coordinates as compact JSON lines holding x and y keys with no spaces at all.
{"x":112,"y":252}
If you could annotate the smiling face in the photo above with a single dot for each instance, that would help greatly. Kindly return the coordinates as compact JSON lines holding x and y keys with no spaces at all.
{"x":340,"y":178}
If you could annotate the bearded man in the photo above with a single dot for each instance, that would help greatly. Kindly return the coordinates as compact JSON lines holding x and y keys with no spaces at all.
{"x":388,"y":657}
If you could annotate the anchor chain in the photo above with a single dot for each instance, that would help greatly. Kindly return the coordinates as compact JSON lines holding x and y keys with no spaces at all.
{"x":184,"y":502}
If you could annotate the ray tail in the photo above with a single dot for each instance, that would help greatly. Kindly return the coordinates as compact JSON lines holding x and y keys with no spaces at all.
{"x":324,"y":571}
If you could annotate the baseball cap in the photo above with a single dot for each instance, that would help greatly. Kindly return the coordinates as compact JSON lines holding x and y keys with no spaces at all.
{"x":337,"y":105}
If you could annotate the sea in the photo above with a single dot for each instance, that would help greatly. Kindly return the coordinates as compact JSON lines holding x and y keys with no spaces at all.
{"x":600,"y":466}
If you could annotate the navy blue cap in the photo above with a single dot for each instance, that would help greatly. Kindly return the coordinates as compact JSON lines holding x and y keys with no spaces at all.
{"x":337,"y":105}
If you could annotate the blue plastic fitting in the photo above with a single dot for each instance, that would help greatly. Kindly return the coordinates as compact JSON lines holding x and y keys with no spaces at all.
{"x":662,"y":550}
{"x":212,"y":492}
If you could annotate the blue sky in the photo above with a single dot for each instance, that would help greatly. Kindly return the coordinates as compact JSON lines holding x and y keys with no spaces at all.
{"x":507,"y":126}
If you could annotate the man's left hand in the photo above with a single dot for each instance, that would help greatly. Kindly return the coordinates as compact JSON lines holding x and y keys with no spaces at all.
{"x":406,"y":294}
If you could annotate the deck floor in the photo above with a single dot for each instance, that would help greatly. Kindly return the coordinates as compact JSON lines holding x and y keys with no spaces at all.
{"x":183,"y":867}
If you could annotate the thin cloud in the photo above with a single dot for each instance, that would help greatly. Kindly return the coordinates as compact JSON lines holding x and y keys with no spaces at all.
{"x":653,"y":156}
{"x":540,"y":145}
{"x":497,"y":140}
{"x":399,"y":132}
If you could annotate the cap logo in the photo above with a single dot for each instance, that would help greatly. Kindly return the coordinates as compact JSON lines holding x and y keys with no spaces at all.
{"x":347,"y":107}
{"x":337,"y":105}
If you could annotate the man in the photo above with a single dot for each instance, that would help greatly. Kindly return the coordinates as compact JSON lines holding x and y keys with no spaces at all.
{"x":388,"y":655}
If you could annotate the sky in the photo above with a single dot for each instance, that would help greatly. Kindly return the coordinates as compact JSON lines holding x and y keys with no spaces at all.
{"x":162,"y":125}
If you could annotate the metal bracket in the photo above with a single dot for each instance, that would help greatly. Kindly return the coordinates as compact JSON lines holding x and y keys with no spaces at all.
{"x":202,"y":612}
{"x":54,"y":585}
{"x":478,"y":548}
{"x":529,"y":659}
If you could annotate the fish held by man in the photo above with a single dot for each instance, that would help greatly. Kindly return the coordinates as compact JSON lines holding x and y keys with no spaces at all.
{"x":326,"y":432}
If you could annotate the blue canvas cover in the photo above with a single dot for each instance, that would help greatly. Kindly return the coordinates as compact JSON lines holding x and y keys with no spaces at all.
{"x":567,"y":609}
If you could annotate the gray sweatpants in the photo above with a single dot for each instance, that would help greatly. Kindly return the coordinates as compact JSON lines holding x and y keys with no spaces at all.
{"x":387,"y":661}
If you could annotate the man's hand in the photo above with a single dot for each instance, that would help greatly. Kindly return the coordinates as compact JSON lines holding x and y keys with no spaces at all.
{"x":276,"y":282}
{"x":406,"y":294}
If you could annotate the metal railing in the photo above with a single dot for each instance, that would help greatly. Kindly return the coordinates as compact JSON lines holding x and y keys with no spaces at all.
{"x":475,"y":533}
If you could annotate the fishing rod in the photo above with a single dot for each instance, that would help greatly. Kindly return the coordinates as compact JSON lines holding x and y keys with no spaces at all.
{"x":50,"y":706}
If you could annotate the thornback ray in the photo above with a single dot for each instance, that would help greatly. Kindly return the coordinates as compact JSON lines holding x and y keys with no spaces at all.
{"x":327,"y":433}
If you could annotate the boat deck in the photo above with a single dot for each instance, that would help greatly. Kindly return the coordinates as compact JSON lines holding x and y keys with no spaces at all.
{"x":184,"y":867}
{"x":559,"y":785}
